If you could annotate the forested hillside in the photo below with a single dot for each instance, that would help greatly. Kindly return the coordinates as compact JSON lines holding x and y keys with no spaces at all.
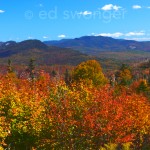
{"x":99,"y":48}
{"x":80,"y":109}
{"x":20,"y":53}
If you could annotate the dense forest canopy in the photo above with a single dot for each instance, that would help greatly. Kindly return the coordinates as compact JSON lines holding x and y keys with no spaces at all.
{"x":78,"y":109}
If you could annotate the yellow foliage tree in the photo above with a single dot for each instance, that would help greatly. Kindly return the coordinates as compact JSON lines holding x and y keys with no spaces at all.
{"x":89,"y":72}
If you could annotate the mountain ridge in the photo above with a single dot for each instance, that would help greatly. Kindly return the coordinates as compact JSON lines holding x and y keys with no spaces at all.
{"x":93,"y":44}
{"x":109,"y":51}
{"x":22,"y":52}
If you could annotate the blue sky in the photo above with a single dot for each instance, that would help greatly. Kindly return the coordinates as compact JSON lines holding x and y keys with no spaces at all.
{"x":58,"y":19}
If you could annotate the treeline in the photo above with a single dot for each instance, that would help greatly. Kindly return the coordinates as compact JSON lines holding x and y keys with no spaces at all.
{"x":82,"y":109}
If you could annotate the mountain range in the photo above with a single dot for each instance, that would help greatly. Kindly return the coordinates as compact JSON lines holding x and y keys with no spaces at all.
{"x":22,"y":52}
{"x":94,"y":44}
{"x":109,"y":51}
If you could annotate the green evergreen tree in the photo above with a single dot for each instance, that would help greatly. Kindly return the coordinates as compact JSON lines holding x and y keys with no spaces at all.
{"x":31,"y":69}
{"x":143,"y":87}
{"x":53,"y":73}
{"x":124,"y":75}
{"x":9,"y":67}
{"x":67,"y":77}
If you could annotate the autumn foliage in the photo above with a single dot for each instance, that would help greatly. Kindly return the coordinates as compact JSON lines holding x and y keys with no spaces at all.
{"x":47,"y":114}
{"x":89,"y":72}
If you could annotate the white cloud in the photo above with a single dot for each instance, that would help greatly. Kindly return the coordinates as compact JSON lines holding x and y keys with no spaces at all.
{"x":117,"y":34}
{"x":116,"y":7}
{"x":139,"y":39}
{"x":85,"y":13}
{"x":136,"y":7}
{"x":62,"y":36}
{"x":107,"y":7}
{"x":30,"y":37}
{"x":2,"y":11}
{"x":148,"y":7}
{"x":93,"y":33}
{"x":45,"y":37}
{"x":141,"y":33}
{"x":111,"y":7}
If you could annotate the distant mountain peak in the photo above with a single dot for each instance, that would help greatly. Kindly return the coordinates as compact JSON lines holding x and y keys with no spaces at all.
{"x":33,"y":44}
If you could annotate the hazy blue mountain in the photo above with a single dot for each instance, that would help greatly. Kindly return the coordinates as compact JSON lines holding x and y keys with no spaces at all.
{"x":95,"y":44}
